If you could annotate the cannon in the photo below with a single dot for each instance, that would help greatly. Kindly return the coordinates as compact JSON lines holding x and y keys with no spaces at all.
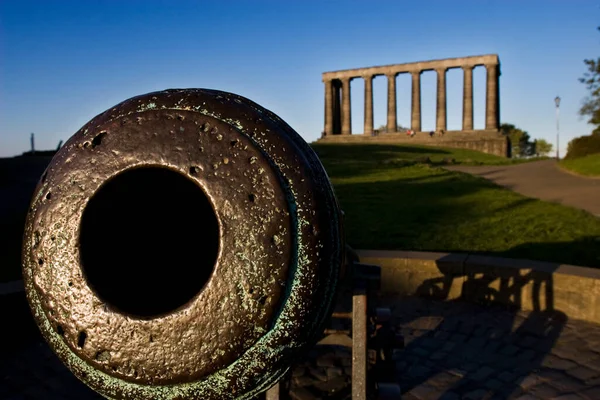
{"x":184,"y":244}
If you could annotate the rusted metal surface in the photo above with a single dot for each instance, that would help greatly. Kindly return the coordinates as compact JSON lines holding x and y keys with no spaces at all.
{"x":219,"y":311}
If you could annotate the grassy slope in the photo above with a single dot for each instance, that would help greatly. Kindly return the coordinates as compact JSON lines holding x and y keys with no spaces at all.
{"x":587,"y":166}
{"x":392,"y":202}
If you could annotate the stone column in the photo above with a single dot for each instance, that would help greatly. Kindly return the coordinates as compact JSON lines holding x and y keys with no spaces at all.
{"x":467,"y":124}
{"x":328,"y":108}
{"x":391,"y":114}
{"x":368,"y":105}
{"x":441,"y":99}
{"x":491,"y":98}
{"x":346,"y":117}
{"x":337,"y":112}
{"x":415,"y":116}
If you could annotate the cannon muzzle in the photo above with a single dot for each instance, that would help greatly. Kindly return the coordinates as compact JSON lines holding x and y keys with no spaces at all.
{"x":184,"y":244}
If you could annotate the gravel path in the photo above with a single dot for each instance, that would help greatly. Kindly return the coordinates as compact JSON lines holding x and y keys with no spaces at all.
{"x":543,"y":180}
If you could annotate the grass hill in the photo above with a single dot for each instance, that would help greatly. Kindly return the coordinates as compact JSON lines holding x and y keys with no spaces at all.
{"x":395,"y":197}
{"x":400,"y":197}
{"x":587,"y":165}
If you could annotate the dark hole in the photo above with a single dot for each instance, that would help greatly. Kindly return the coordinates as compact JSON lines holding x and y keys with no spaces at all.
{"x":233,"y":143}
{"x":98,"y":139}
{"x":41,"y":261}
{"x":81,"y":339}
{"x":60,"y":330}
{"x":149,"y":240}
{"x":70,"y":283}
{"x":48,"y":196}
{"x":194,"y":170}
{"x":251,"y":197}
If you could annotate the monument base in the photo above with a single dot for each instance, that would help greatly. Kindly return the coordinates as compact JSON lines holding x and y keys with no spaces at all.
{"x":486,"y":141}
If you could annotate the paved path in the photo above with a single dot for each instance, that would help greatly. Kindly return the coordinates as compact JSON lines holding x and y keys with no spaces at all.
{"x":453,"y":350}
{"x":543,"y":180}
{"x":458,"y":350}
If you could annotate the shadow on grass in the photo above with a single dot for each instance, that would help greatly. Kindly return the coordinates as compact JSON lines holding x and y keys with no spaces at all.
{"x":377,"y":151}
{"x":459,"y":213}
{"x":517,"y":204}
{"x":352,"y":160}
{"x":490,"y":356}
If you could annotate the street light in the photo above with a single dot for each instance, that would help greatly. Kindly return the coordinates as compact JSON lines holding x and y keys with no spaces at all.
{"x":557,"y":102}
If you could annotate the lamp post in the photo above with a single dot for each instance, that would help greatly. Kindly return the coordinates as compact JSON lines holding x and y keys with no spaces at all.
{"x":557,"y":102}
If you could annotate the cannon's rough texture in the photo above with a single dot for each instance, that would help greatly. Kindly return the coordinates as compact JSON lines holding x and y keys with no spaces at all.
{"x":185,"y":244}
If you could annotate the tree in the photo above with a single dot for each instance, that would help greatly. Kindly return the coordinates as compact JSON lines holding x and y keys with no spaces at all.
{"x":591,"y":104}
{"x":542,"y":147}
{"x":520,"y":143}
{"x":383,"y":128}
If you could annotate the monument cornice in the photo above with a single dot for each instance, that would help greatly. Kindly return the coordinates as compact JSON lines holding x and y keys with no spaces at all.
{"x":420,"y":66}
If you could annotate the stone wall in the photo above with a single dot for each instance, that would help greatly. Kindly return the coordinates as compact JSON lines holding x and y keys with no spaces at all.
{"x":522,"y":284}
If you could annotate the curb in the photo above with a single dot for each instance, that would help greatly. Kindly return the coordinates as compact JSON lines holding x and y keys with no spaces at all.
{"x":570,"y":172}
{"x":523,"y":284}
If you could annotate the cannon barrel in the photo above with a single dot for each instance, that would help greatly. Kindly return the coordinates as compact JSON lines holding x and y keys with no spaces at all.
{"x":184,"y":244}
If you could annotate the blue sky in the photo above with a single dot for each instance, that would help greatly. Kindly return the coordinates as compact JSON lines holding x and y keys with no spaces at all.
{"x":63,"y":62}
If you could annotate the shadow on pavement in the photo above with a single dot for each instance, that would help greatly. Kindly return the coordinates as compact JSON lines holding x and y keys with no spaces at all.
{"x":479,"y":354}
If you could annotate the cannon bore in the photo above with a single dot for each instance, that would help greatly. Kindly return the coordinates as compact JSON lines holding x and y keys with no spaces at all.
{"x":149,"y":239}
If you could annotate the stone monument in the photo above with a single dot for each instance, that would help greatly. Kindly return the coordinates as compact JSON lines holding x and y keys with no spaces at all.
{"x":338,"y":127}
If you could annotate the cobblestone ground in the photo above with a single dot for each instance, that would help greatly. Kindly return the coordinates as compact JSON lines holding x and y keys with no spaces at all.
{"x":453,"y":350}
{"x":457,"y":350}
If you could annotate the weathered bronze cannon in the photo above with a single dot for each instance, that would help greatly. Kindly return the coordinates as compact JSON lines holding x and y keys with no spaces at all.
{"x":185,"y":244}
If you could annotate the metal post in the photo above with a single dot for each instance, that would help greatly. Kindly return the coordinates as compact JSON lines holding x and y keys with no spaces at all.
{"x":275,"y":392}
{"x":557,"y":102}
{"x":359,"y":342}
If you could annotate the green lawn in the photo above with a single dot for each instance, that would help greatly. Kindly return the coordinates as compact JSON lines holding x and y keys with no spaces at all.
{"x":393,"y":201}
{"x":587,"y":166}
{"x":399,"y":197}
